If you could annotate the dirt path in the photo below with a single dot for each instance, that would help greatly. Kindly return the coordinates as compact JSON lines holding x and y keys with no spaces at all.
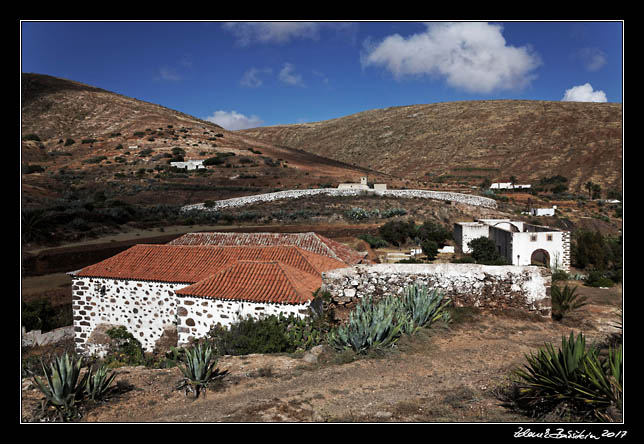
{"x":439,"y":375}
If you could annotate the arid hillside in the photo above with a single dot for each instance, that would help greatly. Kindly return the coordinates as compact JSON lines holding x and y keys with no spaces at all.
{"x":471,"y":141}
{"x":79,"y":140}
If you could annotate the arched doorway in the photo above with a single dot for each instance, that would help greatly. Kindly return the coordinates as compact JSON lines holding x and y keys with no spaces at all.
{"x":540,"y":257}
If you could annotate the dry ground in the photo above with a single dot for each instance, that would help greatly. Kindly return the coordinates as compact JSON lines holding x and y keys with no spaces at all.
{"x":444,"y":374}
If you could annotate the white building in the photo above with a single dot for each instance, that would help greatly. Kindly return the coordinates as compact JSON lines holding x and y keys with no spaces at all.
{"x":508,"y":186}
{"x":519,"y":242}
{"x":189,"y":164}
{"x":153,"y":290}
{"x":363,"y":185}
{"x":543,"y":211}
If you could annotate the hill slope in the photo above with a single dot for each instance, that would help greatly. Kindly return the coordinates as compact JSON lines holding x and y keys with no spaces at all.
{"x":494,"y":139}
{"x":79,"y":139}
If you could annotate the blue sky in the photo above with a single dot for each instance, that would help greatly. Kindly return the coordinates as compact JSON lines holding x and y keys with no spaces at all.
{"x":248,"y":74}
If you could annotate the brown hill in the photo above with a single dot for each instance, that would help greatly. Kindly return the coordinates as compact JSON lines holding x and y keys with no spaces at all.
{"x":469,"y":141}
{"x":79,"y":140}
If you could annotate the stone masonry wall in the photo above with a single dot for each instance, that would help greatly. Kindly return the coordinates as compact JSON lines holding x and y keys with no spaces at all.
{"x":196,"y":316}
{"x":488,"y":287}
{"x":152,"y":311}
{"x":146,"y":309}
{"x":294,"y":194}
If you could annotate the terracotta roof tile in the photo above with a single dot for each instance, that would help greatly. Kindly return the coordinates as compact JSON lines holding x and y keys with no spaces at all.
{"x":286,"y":274}
{"x":273,"y":282}
{"x":310,"y":241}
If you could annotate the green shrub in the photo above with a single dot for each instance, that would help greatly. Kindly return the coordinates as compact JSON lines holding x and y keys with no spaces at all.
{"x":397,"y":232}
{"x":31,"y":137}
{"x":373,"y":241}
{"x":69,"y":142}
{"x":217,"y":160}
{"x":125,"y":348}
{"x":250,"y":335}
{"x":597,"y":278}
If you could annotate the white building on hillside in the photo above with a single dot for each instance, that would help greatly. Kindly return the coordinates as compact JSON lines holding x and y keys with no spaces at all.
{"x":519,"y":242}
{"x":543,"y":211}
{"x":189,"y":164}
{"x":363,"y":185}
{"x":508,"y":186}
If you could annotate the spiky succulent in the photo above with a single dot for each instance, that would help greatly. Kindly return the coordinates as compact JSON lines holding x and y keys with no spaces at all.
{"x":98,"y":382}
{"x":64,"y":386}
{"x":199,"y":369}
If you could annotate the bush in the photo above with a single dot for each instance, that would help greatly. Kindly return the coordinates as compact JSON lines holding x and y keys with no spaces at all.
{"x":31,"y":137}
{"x":250,"y":335}
{"x":397,"y":232}
{"x":373,"y":241}
{"x":125,"y":348}
{"x":214,"y":161}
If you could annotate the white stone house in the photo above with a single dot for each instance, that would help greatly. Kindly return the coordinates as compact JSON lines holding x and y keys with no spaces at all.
{"x":156,"y":291}
{"x":189,"y":164}
{"x":508,"y":186}
{"x":543,"y":211}
{"x":519,"y":242}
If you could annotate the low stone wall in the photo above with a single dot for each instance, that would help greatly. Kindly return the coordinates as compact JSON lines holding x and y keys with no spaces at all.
{"x":467,"y":199}
{"x":36,"y":337}
{"x":196,"y":316}
{"x":492,"y":288}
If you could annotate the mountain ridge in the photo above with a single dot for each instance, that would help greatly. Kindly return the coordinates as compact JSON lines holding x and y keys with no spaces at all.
{"x":502,"y":138}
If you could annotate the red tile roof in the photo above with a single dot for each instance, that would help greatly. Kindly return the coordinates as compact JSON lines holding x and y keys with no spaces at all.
{"x":310,"y":241}
{"x":273,"y":282}
{"x":292,"y":274}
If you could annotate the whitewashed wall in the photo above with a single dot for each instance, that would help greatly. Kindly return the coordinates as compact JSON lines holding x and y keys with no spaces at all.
{"x":196,"y":316}
{"x":144,"y":308}
{"x":147,"y":309}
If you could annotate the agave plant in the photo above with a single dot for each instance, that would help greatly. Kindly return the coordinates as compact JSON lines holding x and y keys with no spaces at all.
{"x":64,"y":386}
{"x":370,"y":325}
{"x":424,"y":307}
{"x":565,"y":300}
{"x":199,"y":369}
{"x":572,"y":374}
{"x":98,"y":382}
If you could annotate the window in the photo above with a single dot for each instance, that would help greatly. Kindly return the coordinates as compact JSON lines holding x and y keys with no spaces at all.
{"x":533,"y":238}
{"x":549,"y":237}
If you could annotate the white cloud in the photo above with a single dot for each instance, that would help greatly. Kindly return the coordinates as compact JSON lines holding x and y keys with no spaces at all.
{"x":169,"y":74}
{"x":232,"y":120}
{"x":592,"y":58}
{"x":288,"y":76}
{"x":252,"y":79}
{"x":584,"y":93}
{"x":471,"y":56}
{"x":272,"y":32}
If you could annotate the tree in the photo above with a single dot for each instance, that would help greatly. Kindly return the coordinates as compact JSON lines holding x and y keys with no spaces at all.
{"x":430,"y":249}
{"x":397,"y":232}
{"x":430,"y":231}
{"x":484,"y":251}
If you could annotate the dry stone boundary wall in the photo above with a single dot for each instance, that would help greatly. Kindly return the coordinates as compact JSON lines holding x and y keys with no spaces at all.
{"x":467,"y":199}
{"x":491,"y":288}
